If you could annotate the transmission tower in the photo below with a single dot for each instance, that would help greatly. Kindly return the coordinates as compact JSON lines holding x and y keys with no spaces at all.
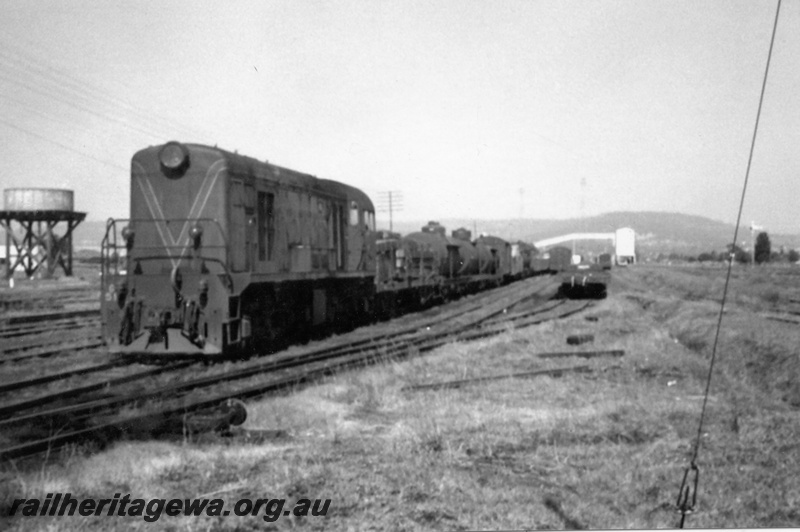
{"x":390,"y":201}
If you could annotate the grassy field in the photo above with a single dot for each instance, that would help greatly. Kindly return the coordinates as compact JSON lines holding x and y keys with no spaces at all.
{"x":605,"y":448}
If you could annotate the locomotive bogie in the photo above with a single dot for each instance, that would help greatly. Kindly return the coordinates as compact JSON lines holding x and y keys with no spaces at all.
{"x":280,"y":313}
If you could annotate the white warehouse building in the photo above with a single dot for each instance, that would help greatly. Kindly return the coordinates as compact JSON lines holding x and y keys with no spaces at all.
{"x":625,"y":245}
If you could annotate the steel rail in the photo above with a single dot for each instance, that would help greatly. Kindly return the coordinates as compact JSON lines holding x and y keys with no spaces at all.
{"x":116,"y":428}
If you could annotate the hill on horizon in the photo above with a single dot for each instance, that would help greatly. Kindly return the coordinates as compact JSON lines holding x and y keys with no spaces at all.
{"x":656,"y":232}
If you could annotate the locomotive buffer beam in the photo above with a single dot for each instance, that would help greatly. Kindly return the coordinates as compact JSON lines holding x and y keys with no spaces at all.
{"x":173,"y":343}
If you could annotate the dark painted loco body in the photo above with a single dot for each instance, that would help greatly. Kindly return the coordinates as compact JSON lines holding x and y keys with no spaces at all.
{"x":222,"y":250}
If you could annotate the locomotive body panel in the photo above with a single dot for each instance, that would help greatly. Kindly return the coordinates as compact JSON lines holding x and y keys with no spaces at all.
{"x":211,"y":236}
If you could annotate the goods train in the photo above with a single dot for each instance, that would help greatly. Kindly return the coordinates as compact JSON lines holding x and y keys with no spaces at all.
{"x":223,"y":254}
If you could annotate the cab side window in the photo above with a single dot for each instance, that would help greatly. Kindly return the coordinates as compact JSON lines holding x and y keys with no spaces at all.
{"x":353,"y":213}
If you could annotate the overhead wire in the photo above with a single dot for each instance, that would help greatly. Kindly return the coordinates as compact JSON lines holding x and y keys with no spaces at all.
{"x":688,"y":490}
{"x":55,"y":81}
{"x":62,"y":145}
{"x":60,"y":87}
{"x":85,"y":109}
{"x":61,"y":76}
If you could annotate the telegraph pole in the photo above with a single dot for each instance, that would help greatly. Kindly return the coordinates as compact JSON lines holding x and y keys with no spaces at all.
{"x":390,"y":201}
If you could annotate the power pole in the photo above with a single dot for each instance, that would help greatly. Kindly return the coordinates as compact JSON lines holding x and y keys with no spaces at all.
{"x":390,"y":201}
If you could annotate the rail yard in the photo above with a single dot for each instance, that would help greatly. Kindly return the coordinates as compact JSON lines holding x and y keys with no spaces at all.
{"x":265,"y":258}
{"x":399,"y":266}
{"x":481,"y":361}
{"x":119,"y":383}
{"x":479,"y":398}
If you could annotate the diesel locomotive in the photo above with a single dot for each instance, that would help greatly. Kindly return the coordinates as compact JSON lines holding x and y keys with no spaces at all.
{"x":223,"y":254}
{"x":222,"y":251}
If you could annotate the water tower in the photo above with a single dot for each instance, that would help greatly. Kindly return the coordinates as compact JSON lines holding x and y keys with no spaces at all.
{"x":35,"y":243}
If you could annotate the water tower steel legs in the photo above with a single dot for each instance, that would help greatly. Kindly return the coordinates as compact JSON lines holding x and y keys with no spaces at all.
{"x":39,"y":245}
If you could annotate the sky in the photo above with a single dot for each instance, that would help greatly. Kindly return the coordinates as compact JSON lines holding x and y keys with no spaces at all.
{"x":488,"y":109}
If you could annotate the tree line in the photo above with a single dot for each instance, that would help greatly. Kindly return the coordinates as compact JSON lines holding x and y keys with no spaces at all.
{"x":762,"y":250}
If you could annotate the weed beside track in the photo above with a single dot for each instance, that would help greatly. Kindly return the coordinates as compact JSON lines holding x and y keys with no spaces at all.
{"x":603,"y":447}
{"x":80,"y":419}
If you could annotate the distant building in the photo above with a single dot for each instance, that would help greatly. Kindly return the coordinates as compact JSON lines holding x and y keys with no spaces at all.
{"x":625,"y":244}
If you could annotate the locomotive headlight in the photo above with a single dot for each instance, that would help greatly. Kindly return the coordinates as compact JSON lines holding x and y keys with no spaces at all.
{"x":174,"y":159}
{"x":127,"y":235}
{"x":196,"y":234}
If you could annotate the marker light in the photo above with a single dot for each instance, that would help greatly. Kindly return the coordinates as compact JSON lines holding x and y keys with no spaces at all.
{"x":128,"y":234}
{"x":196,"y":234}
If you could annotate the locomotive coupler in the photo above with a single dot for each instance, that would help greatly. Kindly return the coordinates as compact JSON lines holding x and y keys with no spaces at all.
{"x":159,"y":333}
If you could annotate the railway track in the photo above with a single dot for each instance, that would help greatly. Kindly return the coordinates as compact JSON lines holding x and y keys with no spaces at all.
{"x":432,"y":317}
{"x":27,"y":324}
{"x":39,"y":334}
{"x":55,"y":348}
{"x":47,"y":300}
{"x":92,"y":415}
{"x":55,"y":377}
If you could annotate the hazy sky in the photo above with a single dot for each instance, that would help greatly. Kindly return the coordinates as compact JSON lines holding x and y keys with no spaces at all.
{"x":457,"y":104}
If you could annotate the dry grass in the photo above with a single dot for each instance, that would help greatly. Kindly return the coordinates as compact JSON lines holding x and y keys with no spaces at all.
{"x":599,"y":450}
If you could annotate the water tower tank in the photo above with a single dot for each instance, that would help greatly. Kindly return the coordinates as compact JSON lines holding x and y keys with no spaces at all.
{"x":38,"y":199}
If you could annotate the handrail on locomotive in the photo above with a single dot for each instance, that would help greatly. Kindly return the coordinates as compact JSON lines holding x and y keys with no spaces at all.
{"x":110,"y":249}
